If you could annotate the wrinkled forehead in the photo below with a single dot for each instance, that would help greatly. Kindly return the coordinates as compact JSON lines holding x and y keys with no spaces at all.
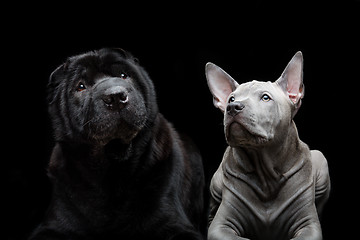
{"x":257,"y":87}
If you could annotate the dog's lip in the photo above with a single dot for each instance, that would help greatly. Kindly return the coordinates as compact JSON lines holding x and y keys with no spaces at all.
{"x":231,"y":121}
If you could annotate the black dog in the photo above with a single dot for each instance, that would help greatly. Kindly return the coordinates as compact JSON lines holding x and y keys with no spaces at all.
{"x":119,"y":169}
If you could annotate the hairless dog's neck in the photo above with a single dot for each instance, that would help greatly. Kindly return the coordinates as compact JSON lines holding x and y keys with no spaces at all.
{"x":272,"y":164}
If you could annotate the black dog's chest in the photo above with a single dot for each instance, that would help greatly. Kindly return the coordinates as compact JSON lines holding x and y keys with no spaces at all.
{"x":111,"y":205}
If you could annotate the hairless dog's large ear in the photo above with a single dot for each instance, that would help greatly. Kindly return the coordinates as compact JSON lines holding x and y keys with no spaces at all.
{"x":220,"y":83}
{"x":291,"y":80}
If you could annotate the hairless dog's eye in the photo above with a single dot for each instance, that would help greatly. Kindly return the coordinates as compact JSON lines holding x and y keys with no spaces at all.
{"x":265,"y":98}
{"x":231,"y":99}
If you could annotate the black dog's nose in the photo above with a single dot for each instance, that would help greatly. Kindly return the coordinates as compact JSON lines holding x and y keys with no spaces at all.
{"x":234,"y":108}
{"x":115,"y":98}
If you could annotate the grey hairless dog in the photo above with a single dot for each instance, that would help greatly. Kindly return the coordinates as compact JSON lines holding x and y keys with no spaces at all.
{"x":269,"y":185}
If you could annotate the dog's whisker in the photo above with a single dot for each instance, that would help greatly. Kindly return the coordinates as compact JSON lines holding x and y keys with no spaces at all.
{"x":87,"y":122}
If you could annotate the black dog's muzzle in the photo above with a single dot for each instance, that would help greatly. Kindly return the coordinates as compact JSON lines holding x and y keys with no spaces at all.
{"x":113,"y":93}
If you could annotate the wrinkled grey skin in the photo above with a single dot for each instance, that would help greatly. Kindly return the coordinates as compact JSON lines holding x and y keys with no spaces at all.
{"x":269,"y":185}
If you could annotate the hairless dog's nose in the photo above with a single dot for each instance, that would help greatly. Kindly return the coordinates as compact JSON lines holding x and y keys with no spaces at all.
{"x":234,"y":108}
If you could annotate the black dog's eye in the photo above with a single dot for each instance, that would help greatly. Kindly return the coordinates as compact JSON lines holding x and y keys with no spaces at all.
{"x":123,"y":75}
{"x":80,"y":87}
{"x":231,"y":99}
{"x":265,"y":98}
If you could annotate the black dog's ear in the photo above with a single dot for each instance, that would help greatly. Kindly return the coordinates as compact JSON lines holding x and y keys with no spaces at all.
{"x":54,"y":81}
{"x":126,"y":54}
{"x":60,"y":70}
{"x":121,"y":51}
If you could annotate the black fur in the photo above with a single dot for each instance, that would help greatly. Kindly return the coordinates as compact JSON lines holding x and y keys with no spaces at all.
{"x":119,"y":169}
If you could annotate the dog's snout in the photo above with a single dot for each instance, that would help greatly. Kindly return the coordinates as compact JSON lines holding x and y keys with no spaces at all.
{"x":115,"y":98}
{"x":234,"y":108}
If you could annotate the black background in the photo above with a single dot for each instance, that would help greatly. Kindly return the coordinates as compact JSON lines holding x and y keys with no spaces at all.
{"x":173,"y":42}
